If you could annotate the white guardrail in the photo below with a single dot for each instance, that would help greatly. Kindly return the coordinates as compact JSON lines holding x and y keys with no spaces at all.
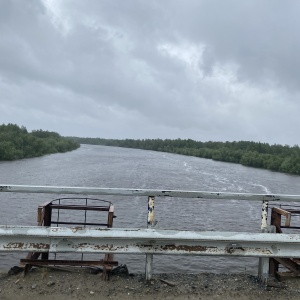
{"x":147,"y":241}
{"x":151,"y":241}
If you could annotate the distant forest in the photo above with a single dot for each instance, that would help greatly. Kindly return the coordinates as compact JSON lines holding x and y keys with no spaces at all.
{"x":16,"y":142}
{"x":253,"y":154}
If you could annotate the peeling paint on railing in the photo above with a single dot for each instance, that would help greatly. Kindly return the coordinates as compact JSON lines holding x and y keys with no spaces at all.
{"x":148,"y":241}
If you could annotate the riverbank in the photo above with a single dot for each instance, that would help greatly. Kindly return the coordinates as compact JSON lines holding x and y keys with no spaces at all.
{"x":82,"y":284}
{"x":275,"y":157}
{"x":17,"y":143}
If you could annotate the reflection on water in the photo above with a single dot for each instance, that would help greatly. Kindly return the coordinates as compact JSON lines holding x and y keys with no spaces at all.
{"x":97,"y":166}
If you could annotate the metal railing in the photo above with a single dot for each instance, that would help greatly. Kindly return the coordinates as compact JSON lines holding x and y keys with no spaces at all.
{"x":151,"y":241}
{"x":147,"y":241}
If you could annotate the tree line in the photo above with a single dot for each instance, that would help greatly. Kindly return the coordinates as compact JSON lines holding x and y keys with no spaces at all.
{"x":16,"y":142}
{"x":254,"y":154}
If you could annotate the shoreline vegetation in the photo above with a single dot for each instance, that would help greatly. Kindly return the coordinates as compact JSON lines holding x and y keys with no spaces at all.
{"x":279,"y":158}
{"x":17,"y":143}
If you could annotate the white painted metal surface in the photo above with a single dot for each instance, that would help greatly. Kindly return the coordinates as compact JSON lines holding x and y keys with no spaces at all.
{"x":264,"y":215}
{"x":145,"y":192}
{"x":148,"y":241}
{"x":149,"y":257}
{"x":151,"y":241}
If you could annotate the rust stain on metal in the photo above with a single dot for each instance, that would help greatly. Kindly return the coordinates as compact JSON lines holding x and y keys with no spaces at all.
{"x":4,"y":188}
{"x":75,"y":229}
{"x":20,"y":245}
{"x":232,"y":249}
{"x":173,"y":247}
{"x":186,"y":248}
{"x":39,"y":245}
{"x":198,"y":248}
{"x":101,"y":229}
{"x":265,"y":251}
{"x":98,"y":247}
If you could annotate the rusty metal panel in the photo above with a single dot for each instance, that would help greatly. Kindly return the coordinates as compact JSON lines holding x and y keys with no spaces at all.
{"x":146,"y":192}
{"x":285,"y":213}
{"x":148,"y":241}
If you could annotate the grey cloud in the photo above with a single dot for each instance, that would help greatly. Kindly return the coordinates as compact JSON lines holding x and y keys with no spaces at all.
{"x":101,"y":66}
{"x":260,"y":36}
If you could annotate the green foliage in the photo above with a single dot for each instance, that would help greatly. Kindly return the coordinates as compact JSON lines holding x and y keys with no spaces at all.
{"x":17,"y":143}
{"x":45,"y":134}
{"x":259,"y":155}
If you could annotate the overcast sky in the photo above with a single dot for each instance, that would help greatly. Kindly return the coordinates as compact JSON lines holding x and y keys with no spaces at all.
{"x":206,"y":70}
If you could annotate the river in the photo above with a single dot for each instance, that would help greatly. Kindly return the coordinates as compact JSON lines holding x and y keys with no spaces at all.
{"x":99,"y":166}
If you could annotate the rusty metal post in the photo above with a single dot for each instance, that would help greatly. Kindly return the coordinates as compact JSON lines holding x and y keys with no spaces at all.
{"x":110,"y":217}
{"x":276,"y":222}
{"x":108,"y":256}
{"x":264,"y":262}
{"x":150,"y":219}
{"x":47,"y":222}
